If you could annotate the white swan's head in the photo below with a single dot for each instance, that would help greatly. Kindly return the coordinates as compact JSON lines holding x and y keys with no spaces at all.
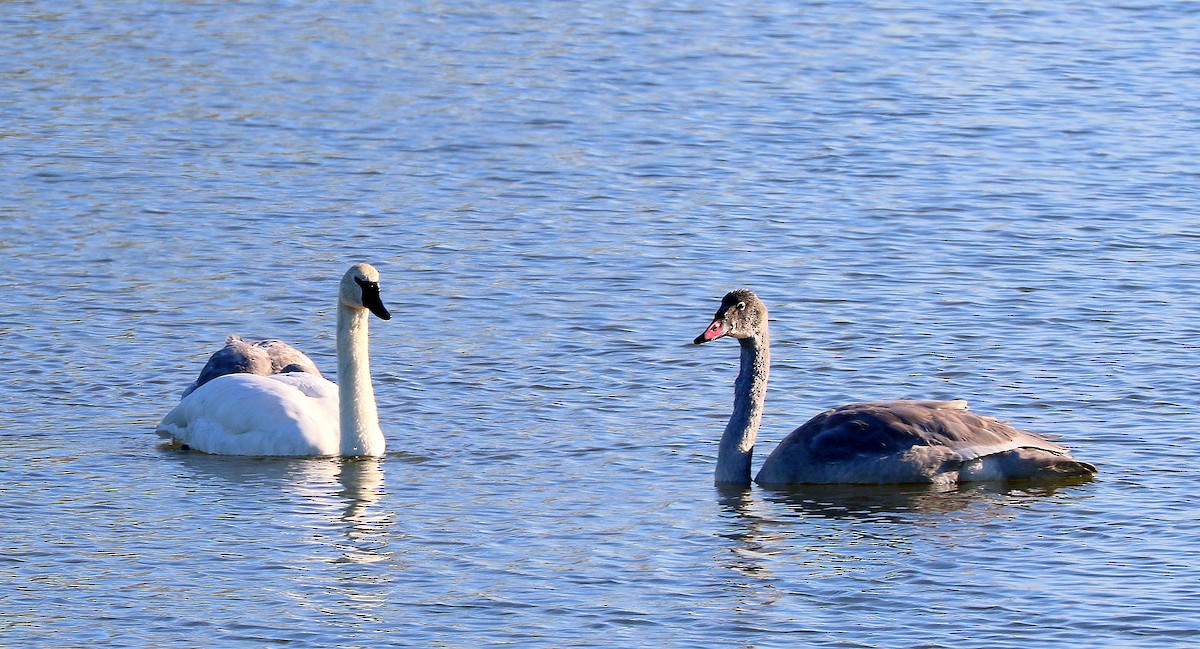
{"x":360,"y":290}
{"x":742,"y":315}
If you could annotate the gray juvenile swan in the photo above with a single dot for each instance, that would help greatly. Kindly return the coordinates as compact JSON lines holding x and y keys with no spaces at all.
{"x":293,"y":412}
{"x":878,"y":442}
{"x":265,"y":357}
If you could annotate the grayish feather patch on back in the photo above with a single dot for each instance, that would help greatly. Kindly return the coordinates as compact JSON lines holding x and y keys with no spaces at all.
{"x":264,"y":358}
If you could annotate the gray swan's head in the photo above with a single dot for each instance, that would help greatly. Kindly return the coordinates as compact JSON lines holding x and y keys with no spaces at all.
{"x":360,"y":290}
{"x":742,"y":315}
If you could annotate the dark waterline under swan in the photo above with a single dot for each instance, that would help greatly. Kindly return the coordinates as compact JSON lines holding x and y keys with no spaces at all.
{"x":293,"y":411}
{"x":903,"y":441}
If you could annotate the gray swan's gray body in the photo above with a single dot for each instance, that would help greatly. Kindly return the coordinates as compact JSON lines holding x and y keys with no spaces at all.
{"x":264,"y":358}
{"x":903,"y":441}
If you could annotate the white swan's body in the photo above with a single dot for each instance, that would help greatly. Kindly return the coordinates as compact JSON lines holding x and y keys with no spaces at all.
{"x":298,"y":413}
{"x":249,"y":414}
{"x":877,"y":442}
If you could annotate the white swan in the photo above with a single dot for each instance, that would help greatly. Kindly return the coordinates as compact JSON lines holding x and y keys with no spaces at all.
{"x":299,"y":412}
{"x":877,"y":442}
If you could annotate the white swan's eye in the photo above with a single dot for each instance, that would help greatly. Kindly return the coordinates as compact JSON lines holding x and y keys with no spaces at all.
{"x":741,"y":306}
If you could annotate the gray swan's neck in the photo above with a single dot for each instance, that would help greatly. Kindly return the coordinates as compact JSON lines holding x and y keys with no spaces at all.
{"x":749,"y":394}
{"x":359,"y":418}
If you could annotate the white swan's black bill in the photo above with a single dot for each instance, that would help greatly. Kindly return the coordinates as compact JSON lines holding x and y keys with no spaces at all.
{"x":371,"y":299}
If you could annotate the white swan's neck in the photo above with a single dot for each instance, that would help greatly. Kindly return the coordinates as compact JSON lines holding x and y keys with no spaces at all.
{"x":749,"y":394}
{"x":359,"y":418}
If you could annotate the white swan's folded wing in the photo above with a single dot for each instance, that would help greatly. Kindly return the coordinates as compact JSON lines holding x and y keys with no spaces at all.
{"x":247,"y":414}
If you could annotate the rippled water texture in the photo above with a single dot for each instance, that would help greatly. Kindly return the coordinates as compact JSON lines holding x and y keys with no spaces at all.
{"x":992,"y":201}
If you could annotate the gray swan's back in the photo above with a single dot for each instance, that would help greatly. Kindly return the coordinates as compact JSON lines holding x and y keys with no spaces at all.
{"x":913,"y":441}
{"x":265,"y":357}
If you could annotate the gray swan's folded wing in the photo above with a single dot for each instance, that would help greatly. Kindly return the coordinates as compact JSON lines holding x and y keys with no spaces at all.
{"x":887,"y":427}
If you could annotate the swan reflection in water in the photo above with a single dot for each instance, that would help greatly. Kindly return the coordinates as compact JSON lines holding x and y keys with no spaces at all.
{"x":832,"y":529}
{"x":367,"y":528}
{"x":333,"y":499}
{"x":896,"y":503}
